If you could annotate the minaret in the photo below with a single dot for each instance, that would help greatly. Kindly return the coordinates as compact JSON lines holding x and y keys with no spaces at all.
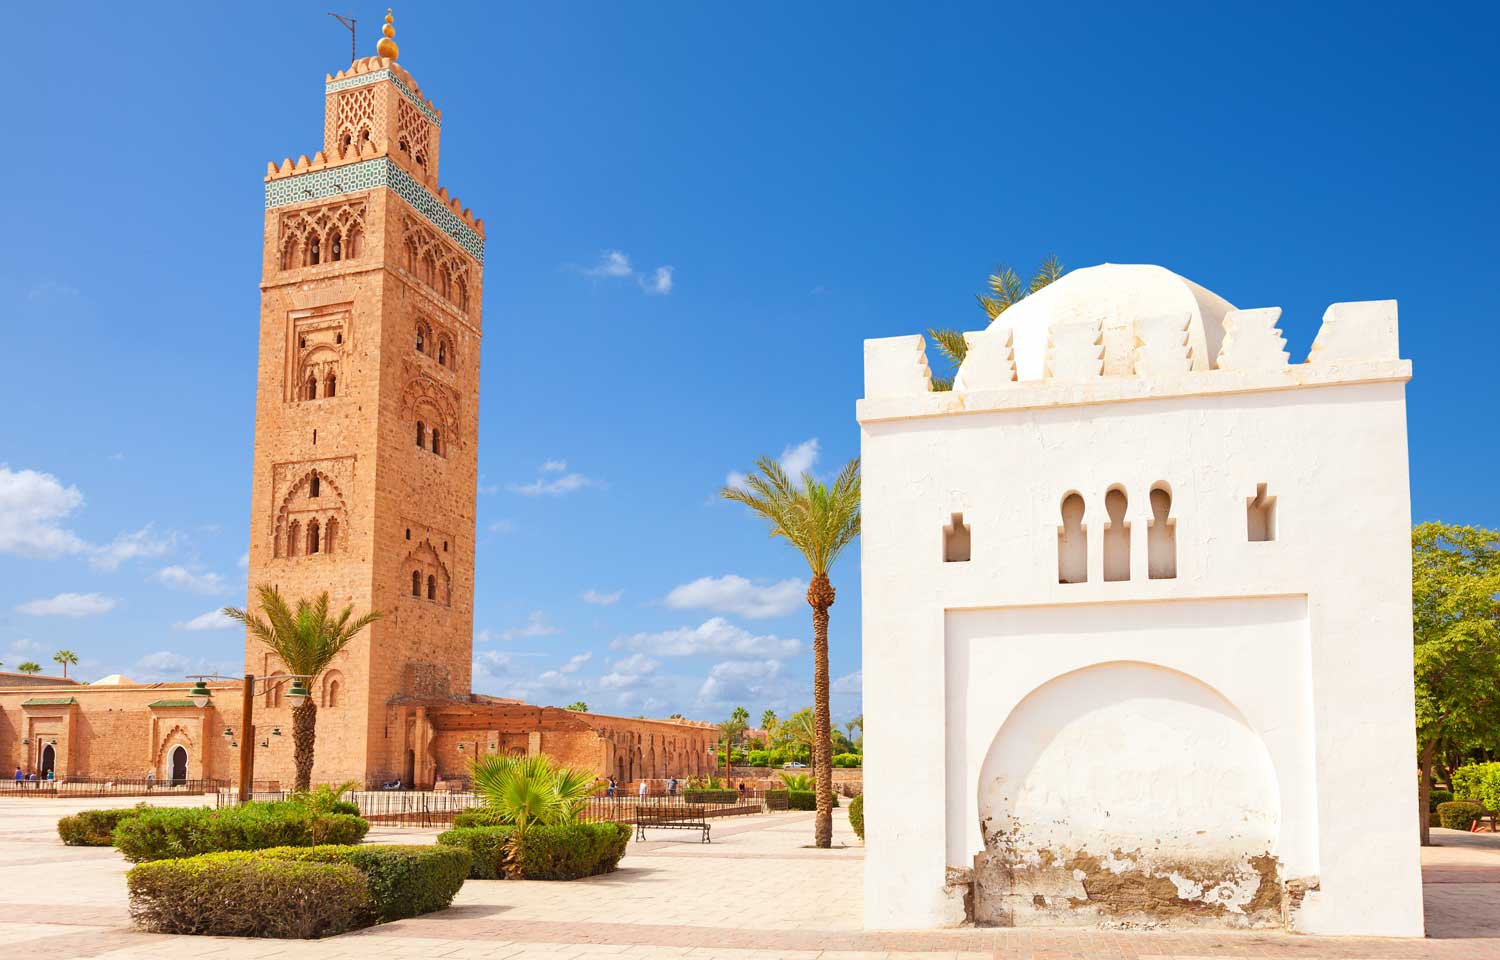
{"x":367,"y":415}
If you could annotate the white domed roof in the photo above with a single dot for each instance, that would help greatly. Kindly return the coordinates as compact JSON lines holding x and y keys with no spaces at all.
{"x":1117,"y":295}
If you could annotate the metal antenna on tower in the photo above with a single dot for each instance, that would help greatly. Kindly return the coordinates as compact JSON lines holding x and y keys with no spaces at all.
{"x":347,"y":19}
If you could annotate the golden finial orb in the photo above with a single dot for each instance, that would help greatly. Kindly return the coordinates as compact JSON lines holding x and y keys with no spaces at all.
{"x":387,"y":46}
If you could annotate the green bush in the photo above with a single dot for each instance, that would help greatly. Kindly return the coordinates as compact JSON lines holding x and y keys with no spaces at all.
{"x":1436,"y":796}
{"x":857,"y":815}
{"x":93,"y":828}
{"x":710,"y":796}
{"x":168,"y":832}
{"x":803,"y":799}
{"x":1479,"y":782}
{"x":246,"y":895}
{"x":777,"y":799}
{"x":565,"y":852}
{"x":479,"y":817}
{"x":760,"y":758}
{"x":405,"y":881}
{"x":327,"y":799}
{"x":848,"y":760}
{"x":1458,"y":814}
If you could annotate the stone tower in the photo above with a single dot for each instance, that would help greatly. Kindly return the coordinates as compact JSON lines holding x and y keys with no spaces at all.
{"x":366,"y":417}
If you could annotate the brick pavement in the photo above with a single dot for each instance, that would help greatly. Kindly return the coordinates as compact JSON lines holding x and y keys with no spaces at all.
{"x":756,"y":892}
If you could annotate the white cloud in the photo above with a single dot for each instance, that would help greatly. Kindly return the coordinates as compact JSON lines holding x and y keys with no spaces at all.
{"x":716,"y":637}
{"x":502,"y":526}
{"x":601,"y":599}
{"x":735,"y":594}
{"x":181,"y":578}
{"x":575,"y":663}
{"x":541,"y":486}
{"x":212,"y":620}
{"x":554,"y":466}
{"x":128,"y":546}
{"x":799,"y":459}
{"x":612,"y":263}
{"x":659,"y":282}
{"x":536,"y":626}
{"x":736,"y":480}
{"x":244,"y":563}
{"x":740,"y":680}
{"x":32,"y":506}
{"x":69,"y":605}
{"x":849,"y":683}
{"x":627,"y":672}
{"x":168,"y":665}
{"x":19,"y":652}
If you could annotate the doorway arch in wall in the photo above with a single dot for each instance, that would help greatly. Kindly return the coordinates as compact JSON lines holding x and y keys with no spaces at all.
{"x":1126,"y":790}
{"x":177,"y":765}
{"x":48,"y":761}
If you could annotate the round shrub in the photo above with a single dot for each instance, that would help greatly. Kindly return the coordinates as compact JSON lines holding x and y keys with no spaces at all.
{"x":1436,"y":796}
{"x":857,"y":815}
{"x":567,"y":852}
{"x":160,"y":833}
{"x":247,"y":895}
{"x":93,"y":828}
{"x":405,"y":881}
{"x":1458,"y":814}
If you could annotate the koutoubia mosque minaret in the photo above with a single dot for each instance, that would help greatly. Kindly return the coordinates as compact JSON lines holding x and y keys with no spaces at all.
{"x":366,"y":417}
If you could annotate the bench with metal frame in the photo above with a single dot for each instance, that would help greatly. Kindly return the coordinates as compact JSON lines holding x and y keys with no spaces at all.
{"x":671,"y":818}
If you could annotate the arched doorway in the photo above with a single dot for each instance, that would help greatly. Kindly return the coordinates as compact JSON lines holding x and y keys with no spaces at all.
{"x":177,"y":765}
{"x":49,"y":761}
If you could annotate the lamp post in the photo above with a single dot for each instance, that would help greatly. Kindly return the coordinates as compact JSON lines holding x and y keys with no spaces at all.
{"x":297,"y":696}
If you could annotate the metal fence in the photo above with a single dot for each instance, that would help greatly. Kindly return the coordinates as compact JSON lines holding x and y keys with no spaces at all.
{"x":622,"y":809}
{"x":124,"y":787}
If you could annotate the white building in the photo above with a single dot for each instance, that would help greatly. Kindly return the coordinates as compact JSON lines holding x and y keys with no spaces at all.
{"x":1137,"y":619}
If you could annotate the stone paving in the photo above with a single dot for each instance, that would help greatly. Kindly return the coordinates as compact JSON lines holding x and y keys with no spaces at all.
{"x":756,"y":892}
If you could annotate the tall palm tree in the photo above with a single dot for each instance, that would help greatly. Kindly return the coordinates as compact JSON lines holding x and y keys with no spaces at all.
{"x":737,"y":724}
{"x":820,"y":521}
{"x":1006,"y":290}
{"x":30,"y":666}
{"x":529,"y":790}
{"x":65,"y":657}
{"x":305,"y":641}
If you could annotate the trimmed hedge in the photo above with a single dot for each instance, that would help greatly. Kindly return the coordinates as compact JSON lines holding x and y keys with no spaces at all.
{"x":248,"y":895}
{"x":804,"y":799}
{"x":857,"y":815}
{"x":848,"y":760}
{"x":93,"y":828}
{"x":1458,"y":814}
{"x":405,"y":881}
{"x":710,"y":796}
{"x":566,"y":852}
{"x":160,"y":833}
{"x":479,"y":817}
{"x":1436,"y":796}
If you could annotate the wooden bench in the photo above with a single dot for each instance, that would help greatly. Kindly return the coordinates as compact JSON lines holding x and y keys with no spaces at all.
{"x":670,"y":818}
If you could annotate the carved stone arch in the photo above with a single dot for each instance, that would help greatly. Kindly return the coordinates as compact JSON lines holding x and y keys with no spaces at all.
{"x":297,"y":510}
{"x":425,"y":394}
{"x":423,"y":562}
{"x":176,"y":737}
{"x":332,"y":692}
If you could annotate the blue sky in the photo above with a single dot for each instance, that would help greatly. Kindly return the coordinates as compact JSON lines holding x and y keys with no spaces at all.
{"x":807,"y":175}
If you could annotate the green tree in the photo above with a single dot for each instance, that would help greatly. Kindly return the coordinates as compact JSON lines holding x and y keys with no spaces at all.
{"x":66,"y":658}
{"x":579,"y":706}
{"x":736,"y":725}
{"x":1456,"y":636}
{"x":1006,"y":290}
{"x":768,"y":721}
{"x":30,"y":666}
{"x":858,"y":723}
{"x":526,"y":791}
{"x":305,"y":641}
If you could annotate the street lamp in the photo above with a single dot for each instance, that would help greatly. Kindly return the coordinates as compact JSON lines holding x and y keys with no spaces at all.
{"x":200,"y":694}
{"x":297,"y":696}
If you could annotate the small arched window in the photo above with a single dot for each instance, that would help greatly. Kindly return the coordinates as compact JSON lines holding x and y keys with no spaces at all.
{"x":333,"y":693}
{"x":416,"y":583}
{"x":293,"y":535}
{"x":336,"y":247}
{"x":314,"y":251}
{"x":352,"y":243}
{"x":442,"y":353}
{"x":312,"y":387}
{"x":421,"y":339}
{"x":436,"y":447}
{"x":313,"y":543}
{"x":463,"y":295}
{"x":328,"y":534}
{"x":421,"y":434}
{"x":329,"y":386}
{"x":431,"y":587}
{"x":313,"y":486}
{"x":421,"y":159}
{"x":1072,"y":542}
{"x":403,"y":145}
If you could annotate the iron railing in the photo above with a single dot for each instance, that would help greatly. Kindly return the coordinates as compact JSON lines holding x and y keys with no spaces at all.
{"x":118,"y":787}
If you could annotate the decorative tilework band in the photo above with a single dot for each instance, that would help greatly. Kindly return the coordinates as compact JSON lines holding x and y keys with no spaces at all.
{"x":364,"y":78}
{"x":367,"y":175}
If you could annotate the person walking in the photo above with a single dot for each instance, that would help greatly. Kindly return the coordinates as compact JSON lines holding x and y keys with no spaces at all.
{"x":150,"y":779}
{"x":609,"y":790}
{"x":672,"y":787}
{"x":20,"y":777}
{"x":643,"y":789}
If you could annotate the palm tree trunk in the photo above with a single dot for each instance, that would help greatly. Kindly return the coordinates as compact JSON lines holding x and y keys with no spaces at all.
{"x":820,"y":595}
{"x":304,"y":734}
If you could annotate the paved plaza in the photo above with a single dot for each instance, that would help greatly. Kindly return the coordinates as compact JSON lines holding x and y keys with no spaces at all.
{"x":756,"y":892}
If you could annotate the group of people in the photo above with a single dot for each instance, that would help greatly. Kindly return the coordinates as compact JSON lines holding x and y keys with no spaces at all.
{"x":612,"y":788}
{"x":32,"y":777}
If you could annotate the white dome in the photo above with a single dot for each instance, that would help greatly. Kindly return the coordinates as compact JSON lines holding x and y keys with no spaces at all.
{"x":1118,"y":295}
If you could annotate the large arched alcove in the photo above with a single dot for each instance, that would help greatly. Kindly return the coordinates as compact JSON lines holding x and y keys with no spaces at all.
{"x":1126,"y":790}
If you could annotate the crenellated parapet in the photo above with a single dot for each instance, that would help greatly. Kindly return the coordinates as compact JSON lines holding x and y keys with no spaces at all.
{"x":374,"y":69}
{"x":1079,"y":359}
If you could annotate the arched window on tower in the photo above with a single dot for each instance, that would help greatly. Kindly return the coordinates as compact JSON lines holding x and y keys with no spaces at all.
{"x":1072,"y":542}
{"x":431,"y":587}
{"x":442,"y":353}
{"x":314,"y":486}
{"x":416,"y":583}
{"x":329,"y":385}
{"x":329,"y":532}
{"x":436,"y":447}
{"x":333,"y":693}
{"x":1116,"y":537}
{"x":313,"y":544}
{"x":314,"y":251}
{"x":1161,"y":537}
{"x":312,"y":387}
{"x":352,"y":242}
{"x":335,"y":247}
{"x":293,"y":535}
{"x":421,"y":434}
{"x":421,"y":338}
{"x":463,"y":295}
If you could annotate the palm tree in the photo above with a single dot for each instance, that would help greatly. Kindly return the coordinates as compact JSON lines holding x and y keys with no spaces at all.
{"x":1006,"y":290}
{"x":738,"y":723}
{"x":30,"y":666}
{"x":65,"y":657}
{"x":858,"y":722}
{"x":306,"y":643}
{"x":529,"y":790}
{"x":768,"y":722}
{"x":820,"y":521}
{"x":579,"y":706}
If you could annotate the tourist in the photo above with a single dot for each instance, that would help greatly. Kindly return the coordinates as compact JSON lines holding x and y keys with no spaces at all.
{"x":672,"y":787}
{"x":609,"y":789}
{"x":19,"y":775}
{"x":742,"y":789}
{"x":643,"y":789}
{"x":51,"y":775}
{"x":150,"y":779}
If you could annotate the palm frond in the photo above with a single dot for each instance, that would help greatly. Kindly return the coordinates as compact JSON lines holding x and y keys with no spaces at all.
{"x":1050,"y":270}
{"x":940,"y":384}
{"x":951,"y":344}
{"x":818,"y":519}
